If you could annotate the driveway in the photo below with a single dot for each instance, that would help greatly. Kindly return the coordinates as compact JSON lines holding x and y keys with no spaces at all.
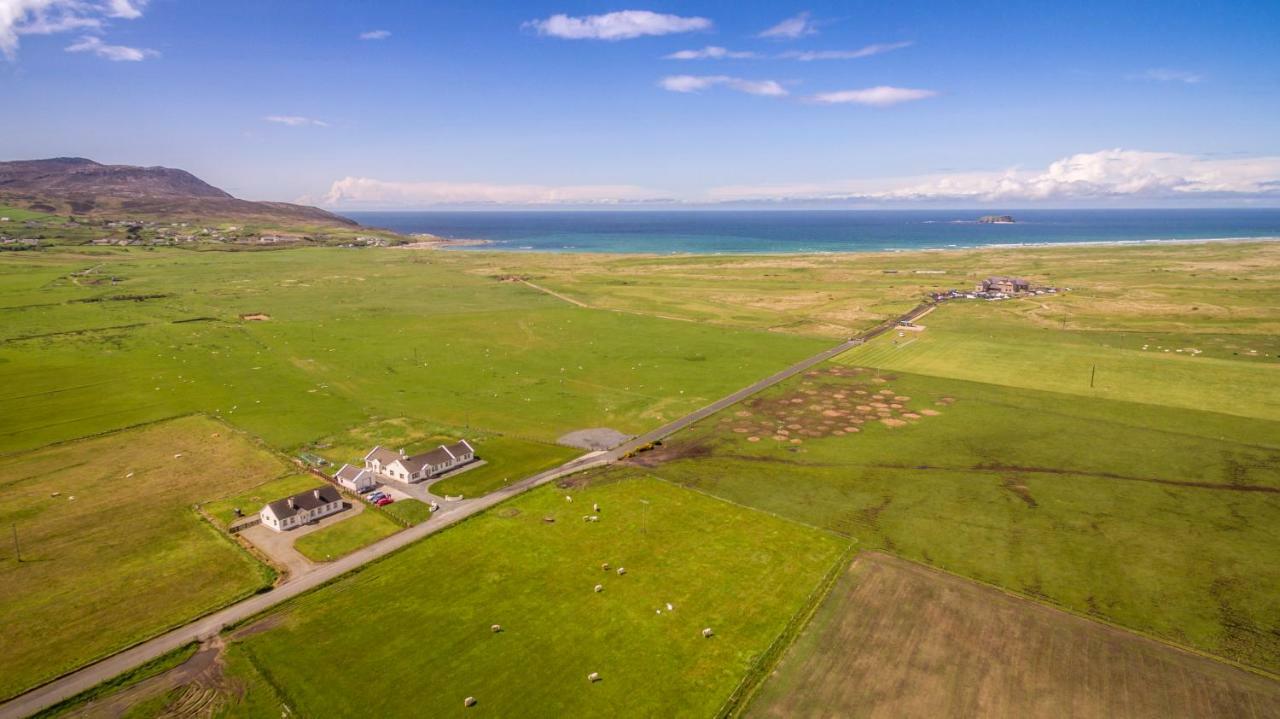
{"x":278,"y":546}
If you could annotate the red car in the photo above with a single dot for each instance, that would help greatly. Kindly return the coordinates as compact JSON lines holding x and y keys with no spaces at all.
{"x":384,"y":501}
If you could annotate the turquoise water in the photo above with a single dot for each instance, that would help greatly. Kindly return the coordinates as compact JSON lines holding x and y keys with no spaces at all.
{"x":665,"y":232}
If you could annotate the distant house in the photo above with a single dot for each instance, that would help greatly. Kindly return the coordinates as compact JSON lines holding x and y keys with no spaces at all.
{"x":354,"y":478}
{"x":1007,"y":285}
{"x":397,"y":465}
{"x":301,"y":508}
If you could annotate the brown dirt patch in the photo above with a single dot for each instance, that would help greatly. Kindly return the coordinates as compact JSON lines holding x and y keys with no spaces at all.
{"x":891,"y":422}
{"x":255,"y":317}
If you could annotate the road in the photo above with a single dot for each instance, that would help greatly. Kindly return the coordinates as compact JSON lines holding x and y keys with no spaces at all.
{"x":90,"y":676}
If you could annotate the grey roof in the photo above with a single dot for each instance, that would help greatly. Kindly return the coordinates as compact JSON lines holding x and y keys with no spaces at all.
{"x":382,"y":454}
{"x":304,"y":501}
{"x":440,"y":455}
{"x":348,"y":473}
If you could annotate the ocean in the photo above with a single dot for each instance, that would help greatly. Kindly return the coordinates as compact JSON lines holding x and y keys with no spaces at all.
{"x":768,"y":231}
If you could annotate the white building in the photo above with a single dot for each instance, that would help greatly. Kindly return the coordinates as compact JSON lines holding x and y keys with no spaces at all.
{"x":354,"y":478}
{"x":301,"y":508}
{"x":397,"y":465}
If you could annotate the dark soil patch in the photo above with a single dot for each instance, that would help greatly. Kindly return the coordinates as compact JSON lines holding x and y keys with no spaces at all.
{"x":1020,"y":490}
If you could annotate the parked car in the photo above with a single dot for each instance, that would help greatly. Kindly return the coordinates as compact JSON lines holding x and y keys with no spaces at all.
{"x":376,"y":496}
{"x":367,"y":490}
{"x":384,"y":501}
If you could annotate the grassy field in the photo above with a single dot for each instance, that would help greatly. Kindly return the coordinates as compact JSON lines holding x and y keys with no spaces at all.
{"x":1006,"y":343}
{"x":408,"y":511}
{"x":506,"y":460}
{"x":425,"y":613}
{"x":1159,"y":519}
{"x":111,"y":549}
{"x":897,"y":640}
{"x":352,"y":336}
{"x":342,"y":538}
{"x":1224,"y":287}
{"x":251,"y":500}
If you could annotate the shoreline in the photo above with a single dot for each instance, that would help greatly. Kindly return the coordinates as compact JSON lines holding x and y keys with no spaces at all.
{"x":474,"y":245}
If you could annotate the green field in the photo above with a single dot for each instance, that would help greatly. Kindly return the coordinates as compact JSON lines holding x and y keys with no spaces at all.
{"x":408,"y":511}
{"x":423,"y":616}
{"x":506,"y":460}
{"x":342,"y":538}
{"x":1159,"y":519}
{"x":112,"y":551}
{"x":999,"y":343}
{"x":250,"y":501}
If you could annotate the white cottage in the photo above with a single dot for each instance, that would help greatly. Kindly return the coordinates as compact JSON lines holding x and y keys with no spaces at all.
{"x":301,"y":508}
{"x":398,"y":466}
{"x":354,"y":478}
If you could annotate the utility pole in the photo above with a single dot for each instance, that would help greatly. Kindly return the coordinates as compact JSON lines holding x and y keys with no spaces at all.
{"x":17,"y":550}
{"x":1093,"y":370}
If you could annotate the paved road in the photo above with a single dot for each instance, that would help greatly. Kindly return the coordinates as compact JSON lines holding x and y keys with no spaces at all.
{"x":94,"y":674}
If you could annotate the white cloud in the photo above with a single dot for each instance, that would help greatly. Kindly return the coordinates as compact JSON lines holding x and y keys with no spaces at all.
{"x":698,"y":83}
{"x":1095,"y":176}
{"x":881,"y":96}
{"x":792,"y":28}
{"x":868,"y":51}
{"x":117,"y":53}
{"x":711,"y":52}
{"x":49,"y":17}
{"x":369,"y":192}
{"x":375,"y":35}
{"x":622,"y":25}
{"x":1164,"y":74}
{"x":295,"y":121}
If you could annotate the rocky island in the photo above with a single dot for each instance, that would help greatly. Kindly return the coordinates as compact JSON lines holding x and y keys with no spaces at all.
{"x":996,"y":219}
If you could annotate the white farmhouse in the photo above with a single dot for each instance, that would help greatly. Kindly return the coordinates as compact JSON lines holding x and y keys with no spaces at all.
{"x":354,"y":478}
{"x":397,"y":465}
{"x":301,"y":508}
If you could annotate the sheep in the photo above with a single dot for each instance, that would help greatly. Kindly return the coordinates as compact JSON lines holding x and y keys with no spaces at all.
{"x":622,"y":571}
{"x":469,"y":702}
{"x":599,"y":588}
{"x":568,"y":499}
{"x":596,"y":507}
{"x":707,"y":633}
{"x":605,"y":566}
{"x":593,"y":677}
{"x":496,"y":628}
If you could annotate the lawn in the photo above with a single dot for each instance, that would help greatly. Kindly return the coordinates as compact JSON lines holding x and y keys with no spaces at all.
{"x":1002,"y":344}
{"x":1159,"y":519}
{"x":976,"y":651}
{"x":408,"y":511}
{"x":425,"y":612}
{"x":342,"y":538}
{"x":112,"y":552}
{"x":507,"y":460}
{"x":250,"y":501}
{"x":353,"y":337}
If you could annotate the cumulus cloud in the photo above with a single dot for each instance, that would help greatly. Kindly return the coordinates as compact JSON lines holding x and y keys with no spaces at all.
{"x":698,"y":83}
{"x":116,"y":53}
{"x":375,"y":35}
{"x":49,"y":17}
{"x":295,"y":121}
{"x":868,"y":51}
{"x":881,"y":96}
{"x":792,"y":28}
{"x":622,"y":25}
{"x":711,"y":52}
{"x":1095,"y":176}
{"x":1164,"y":74}
{"x":369,"y":192}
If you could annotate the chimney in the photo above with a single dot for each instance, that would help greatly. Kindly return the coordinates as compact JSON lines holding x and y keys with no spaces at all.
{"x":316,"y":492}
{"x":293,"y":503}
{"x":402,"y":454}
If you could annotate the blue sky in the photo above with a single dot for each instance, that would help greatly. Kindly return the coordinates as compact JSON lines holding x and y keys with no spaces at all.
{"x":906,"y":103}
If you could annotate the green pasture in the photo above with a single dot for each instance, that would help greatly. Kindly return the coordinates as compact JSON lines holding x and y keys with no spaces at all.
{"x":344,"y":537}
{"x":112,"y":552}
{"x":1160,"y":519}
{"x":996,"y":343}
{"x":507,"y":460}
{"x":422,"y":617}
{"x":353,"y":336}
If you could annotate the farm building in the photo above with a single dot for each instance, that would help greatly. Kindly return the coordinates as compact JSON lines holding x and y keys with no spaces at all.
{"x":397,"y":465}
{"x":354,"y":478}
{"x":1007,"y":285}
{"x":301,"y":508}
